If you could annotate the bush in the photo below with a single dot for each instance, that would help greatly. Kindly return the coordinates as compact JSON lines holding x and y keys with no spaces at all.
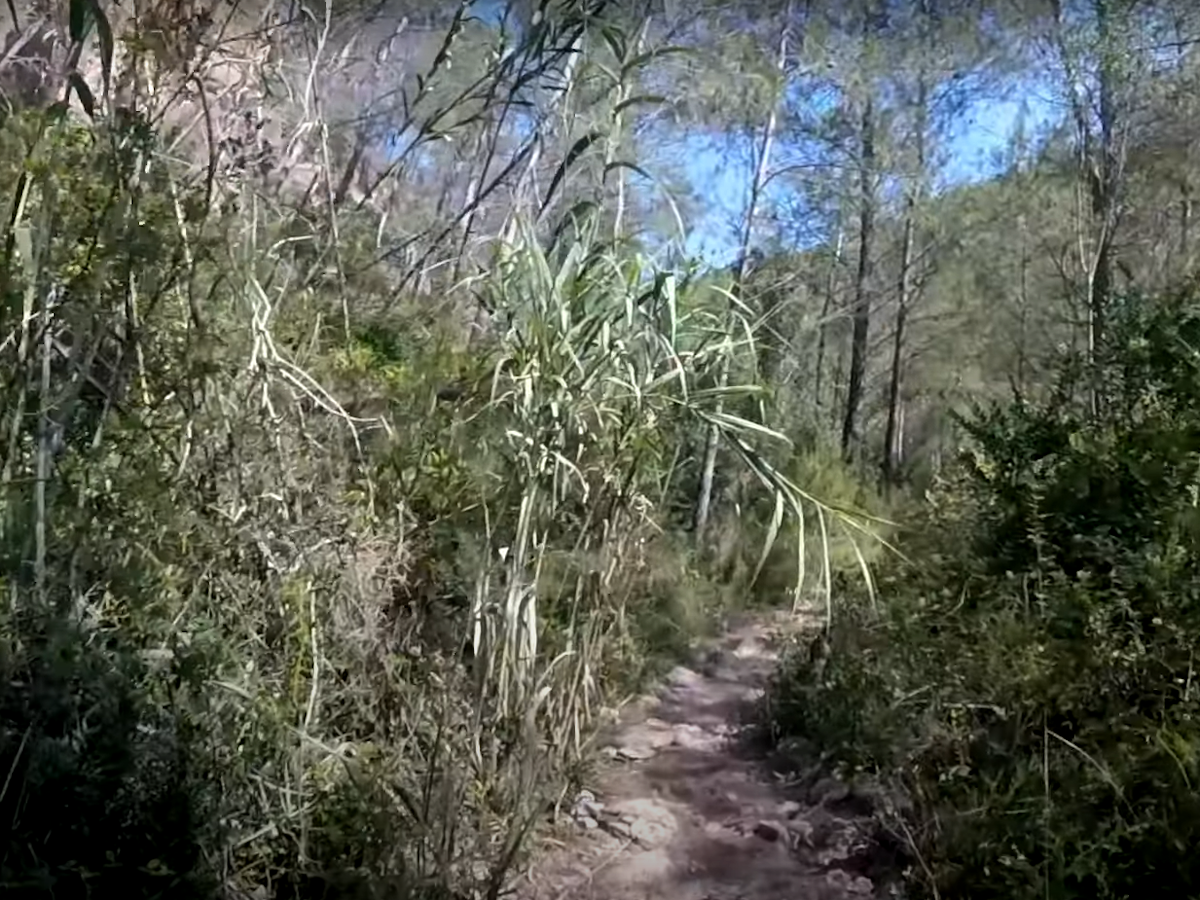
{"x":308,"y":595}
{"x":1028,"y":679}
{"x":271,"y":652}
{"x":99,"y":795}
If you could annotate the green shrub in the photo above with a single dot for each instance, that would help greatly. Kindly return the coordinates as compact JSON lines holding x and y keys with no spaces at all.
{"x":99,"y":795}
{"x":1029,"y":677}
{"x":278,"y":645}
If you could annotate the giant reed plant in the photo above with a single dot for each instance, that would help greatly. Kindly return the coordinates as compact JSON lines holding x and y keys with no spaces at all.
{"x":186,"y":496}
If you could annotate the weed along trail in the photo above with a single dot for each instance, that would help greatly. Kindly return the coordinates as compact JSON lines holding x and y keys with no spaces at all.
{"x":684,"y":807}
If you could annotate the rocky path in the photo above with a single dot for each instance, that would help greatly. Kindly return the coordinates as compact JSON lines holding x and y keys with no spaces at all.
{"x":685,"y":810}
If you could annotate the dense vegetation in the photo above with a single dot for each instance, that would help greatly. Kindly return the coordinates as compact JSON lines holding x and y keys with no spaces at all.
{"x":367,"y":428}
{"x":1028,"y":683}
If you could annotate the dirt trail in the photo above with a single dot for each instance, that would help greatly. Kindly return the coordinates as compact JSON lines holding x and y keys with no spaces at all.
{"x":686,"y":810}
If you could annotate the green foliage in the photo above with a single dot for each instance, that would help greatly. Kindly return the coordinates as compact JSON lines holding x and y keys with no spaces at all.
{"x":374,"y":605}
{"x":100,"y":793}
{"x":1029,"y":680}
{"x":833,"y":552}
{"x":304,"y":588}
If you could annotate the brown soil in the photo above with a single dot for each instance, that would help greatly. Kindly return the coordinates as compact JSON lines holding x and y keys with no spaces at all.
{"x":687,"y":810}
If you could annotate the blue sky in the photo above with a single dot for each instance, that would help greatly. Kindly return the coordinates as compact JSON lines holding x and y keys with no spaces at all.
{"x":973,"y":149}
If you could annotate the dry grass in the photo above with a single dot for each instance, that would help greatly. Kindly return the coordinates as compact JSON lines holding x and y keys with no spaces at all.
{"x":372,"y":677}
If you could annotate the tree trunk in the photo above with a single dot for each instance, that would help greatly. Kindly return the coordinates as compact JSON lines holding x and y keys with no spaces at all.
{"x":823,"y":324}
{"x":862,"y":296}
{"x":890,"y":468}
{"x":1185,"y":227}
{"x":1102,"y":163}
{"x":708,"y":472}
{"x":1023,"y":305}
{"x":904,"y":290}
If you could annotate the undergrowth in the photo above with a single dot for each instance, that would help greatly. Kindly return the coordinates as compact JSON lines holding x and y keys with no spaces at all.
{"x":1027,"y":680}
{"x":318,"y":599}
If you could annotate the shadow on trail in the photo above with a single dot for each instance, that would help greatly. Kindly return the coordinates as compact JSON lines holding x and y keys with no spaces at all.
{"x":689,"y":811}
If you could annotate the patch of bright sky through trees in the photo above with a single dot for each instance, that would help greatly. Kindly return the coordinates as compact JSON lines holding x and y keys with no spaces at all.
{"x":719,"y":168}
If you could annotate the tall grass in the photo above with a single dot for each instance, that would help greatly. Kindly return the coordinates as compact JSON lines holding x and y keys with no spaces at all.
{"x":339,"y":650}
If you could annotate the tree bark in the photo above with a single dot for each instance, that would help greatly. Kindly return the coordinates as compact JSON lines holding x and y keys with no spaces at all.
{"x":823,"y":324}
{"x":904,"y":289}
{"x":708,"y":472}
{"x":862,"y":296}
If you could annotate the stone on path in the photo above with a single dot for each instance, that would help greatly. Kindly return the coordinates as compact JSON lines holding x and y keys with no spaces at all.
{"x":691,"y":816}
{"x":769,"y":831}
{"x":647,"y":821}
{"x":859,"y":885}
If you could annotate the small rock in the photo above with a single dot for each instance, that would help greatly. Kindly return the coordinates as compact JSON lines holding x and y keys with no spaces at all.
{"x":636,"y":747}
{"x":589,"y":810}
{"x":845,"y":881}
{"x":645,"y":820}
{"x":802,"y":830}
{"x":714,"y":829}
{"x":660,"y":740}
{"x":789,"y":809}
{"x":703,"y":655}
{"x":620,"y":828}
{"x":749,"y":649}
{"x":828,"y":790}
{"x":769,"y":831}
{"x":682,"y":676}
{"x":645,"y":740}
{"x":693,"y":737}
{"x":651,"y":833}
{"x":586,"y":806}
